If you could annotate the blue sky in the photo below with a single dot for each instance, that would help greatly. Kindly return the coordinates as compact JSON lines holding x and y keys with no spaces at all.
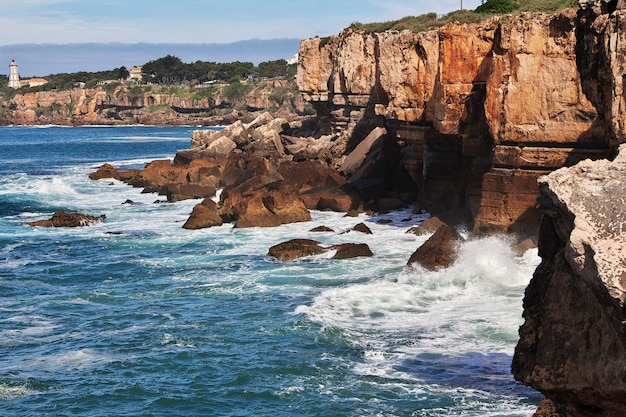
{"x":197,"y":21}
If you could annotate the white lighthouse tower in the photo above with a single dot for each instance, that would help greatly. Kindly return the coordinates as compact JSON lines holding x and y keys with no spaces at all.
{"x":14,"y":76}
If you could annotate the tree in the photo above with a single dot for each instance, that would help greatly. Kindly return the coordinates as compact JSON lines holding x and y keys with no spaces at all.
{"x":169,"y":70}
{"x":272,"y":69}
{"x":122,"y":73}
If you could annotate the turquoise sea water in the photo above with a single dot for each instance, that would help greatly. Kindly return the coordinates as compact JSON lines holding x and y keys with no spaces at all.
{"x":137,"y":316}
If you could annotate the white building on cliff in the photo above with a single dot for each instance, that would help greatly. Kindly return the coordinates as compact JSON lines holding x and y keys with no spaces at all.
{"x":14,"y":76}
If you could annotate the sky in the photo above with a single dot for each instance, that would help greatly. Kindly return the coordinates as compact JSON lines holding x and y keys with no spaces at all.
{"x":194,"y":21}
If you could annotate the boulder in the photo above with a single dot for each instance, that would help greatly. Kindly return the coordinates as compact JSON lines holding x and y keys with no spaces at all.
{"x":351,"y":250}
{"x":439,"y":251}
{"x":261,"y":200}
{"x":296,"y":248}
{"x":105,"y":171}
{"x":365,"y":150}
{"x":204,"y":215}
{"x":548,"y":409}
{"x":322,"y":229}
{"x":65,"y":219}
{"x":427,"y":227}
{"x":340,"y":199}
{"x":362,"y":228}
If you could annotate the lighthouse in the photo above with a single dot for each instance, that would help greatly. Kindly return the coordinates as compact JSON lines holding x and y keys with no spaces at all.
{"x":14,"y":76}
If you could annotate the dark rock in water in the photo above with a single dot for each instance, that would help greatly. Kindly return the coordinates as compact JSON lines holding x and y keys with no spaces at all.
{"x":322,"y":229}
{"x":105,"y":171}
{"x":204,"y":215}
{"x":64,"y":219}
{"x":352,"y":213}
{"x":296,"y":248}
{"x":351,"y":250}
{"x":128,"y":202}
{"x":361,"y":227}
{"x":427,"y":227}
{"x":439,"y":251}
{"x":548,"y":409}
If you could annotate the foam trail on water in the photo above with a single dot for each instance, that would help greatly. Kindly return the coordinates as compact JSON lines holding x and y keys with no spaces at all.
{"x":456,"y":325}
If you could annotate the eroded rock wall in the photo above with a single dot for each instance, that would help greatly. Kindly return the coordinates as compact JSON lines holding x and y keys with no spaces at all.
{"x":572,"y":345}
{"x":477,"y":112}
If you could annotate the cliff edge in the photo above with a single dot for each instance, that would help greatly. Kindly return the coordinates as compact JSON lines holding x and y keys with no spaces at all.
{"x":476,"y":113}
{"x":572,"y":345}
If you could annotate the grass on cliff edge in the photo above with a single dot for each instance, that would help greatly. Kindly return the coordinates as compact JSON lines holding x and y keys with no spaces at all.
{"x":489,"y":8}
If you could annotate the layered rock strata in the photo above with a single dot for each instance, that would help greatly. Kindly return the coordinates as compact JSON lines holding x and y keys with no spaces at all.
{"x":127,"y":105}
{"x":572,"y":345}
{"x":474,"y":113}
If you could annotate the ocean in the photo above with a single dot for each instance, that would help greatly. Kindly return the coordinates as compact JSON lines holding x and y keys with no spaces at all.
{"x":138,"y":316}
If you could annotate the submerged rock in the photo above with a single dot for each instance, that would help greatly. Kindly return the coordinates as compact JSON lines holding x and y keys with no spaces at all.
{"x":300,"y":248}
{"x":65,"y":219}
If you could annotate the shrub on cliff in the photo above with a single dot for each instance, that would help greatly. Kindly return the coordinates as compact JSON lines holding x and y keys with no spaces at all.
{"x":497,"y":6}
{"x":236,"y":92}
{"x":546,"y":5}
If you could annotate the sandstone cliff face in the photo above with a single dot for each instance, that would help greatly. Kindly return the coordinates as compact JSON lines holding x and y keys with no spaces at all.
{"x":124,"y":105}
{"x":477,"y":111}
{"x":572,"y":345}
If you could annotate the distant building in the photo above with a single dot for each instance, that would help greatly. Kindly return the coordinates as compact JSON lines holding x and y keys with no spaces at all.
{"x":135,"y":73}
{"x":106,"y":82}
{"x":14,"y":76}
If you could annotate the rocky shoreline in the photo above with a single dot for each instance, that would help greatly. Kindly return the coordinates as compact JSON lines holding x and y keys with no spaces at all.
{"x":462,"y":122}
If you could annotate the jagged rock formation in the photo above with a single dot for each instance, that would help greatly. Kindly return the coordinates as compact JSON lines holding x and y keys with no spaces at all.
{"x":139,"y":105}
{"x":474,"y":113}
{"x":262,"y":184}
{"x":572,"y":345}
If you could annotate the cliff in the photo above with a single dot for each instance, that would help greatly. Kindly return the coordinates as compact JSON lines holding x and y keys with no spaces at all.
{"x":572,"y":345}
{"x":150,"y":105}
{"x":474,"y":113}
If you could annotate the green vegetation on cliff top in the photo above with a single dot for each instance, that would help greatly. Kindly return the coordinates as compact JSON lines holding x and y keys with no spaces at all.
{"x":168,"y":71}
{"x":487,"y":9}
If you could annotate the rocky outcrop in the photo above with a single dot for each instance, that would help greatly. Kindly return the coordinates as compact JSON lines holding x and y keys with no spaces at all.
{"x":262,"y":184}
{"x":65,"y":219}
{"x":572,"y":344}
{"x":474,"y":114}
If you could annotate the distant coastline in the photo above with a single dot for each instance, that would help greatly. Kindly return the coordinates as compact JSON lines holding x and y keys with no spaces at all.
{"x":44,"y":59}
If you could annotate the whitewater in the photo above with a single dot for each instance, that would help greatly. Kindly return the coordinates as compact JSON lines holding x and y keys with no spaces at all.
{"x":138,"y":316}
